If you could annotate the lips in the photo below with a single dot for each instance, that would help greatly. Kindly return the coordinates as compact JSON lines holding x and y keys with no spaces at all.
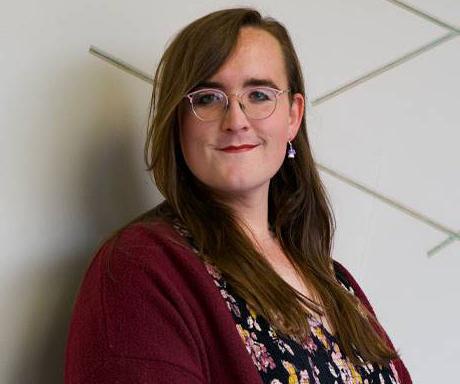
{"x":238,"y":148}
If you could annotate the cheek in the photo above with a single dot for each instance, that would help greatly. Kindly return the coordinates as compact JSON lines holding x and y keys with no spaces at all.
{"x":281,"y":141}
{"x":184,"y":142}
{"x":278,"y":139}
{"x":279,"y":153}
{"x":195,"y":148}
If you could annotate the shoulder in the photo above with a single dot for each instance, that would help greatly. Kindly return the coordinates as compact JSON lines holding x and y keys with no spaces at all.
{"x":139,"y":293}
{"x":157,"y":234}
{"x":145,"y":258}
{"x":144,"y":272}
{"x":149,"y":245}
{"x":151,"y":231}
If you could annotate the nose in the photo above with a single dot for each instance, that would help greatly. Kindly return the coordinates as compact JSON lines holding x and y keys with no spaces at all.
{"x":234,"y":118}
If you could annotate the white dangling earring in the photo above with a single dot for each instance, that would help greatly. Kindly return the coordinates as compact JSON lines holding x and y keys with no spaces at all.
{"x":291,"y":151}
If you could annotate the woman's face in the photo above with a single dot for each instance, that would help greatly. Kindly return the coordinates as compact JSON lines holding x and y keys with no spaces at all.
{"x":257,"y":58}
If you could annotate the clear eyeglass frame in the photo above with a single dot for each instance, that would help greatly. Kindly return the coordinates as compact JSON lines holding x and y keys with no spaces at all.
{"x":239,"y":96}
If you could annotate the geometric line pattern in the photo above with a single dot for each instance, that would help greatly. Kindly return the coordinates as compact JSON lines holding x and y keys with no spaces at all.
{"x":395,"y":204}
{"x":400,"y":60}
{"x":123,"y":65}
{"x":424,"y":15}
{"x":455,"y":31}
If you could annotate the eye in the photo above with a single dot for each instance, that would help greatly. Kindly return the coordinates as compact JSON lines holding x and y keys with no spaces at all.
{"x":260,"y":95}
{"x":207,"y":98}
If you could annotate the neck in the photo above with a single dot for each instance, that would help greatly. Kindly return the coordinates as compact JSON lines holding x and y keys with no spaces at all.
{"x":252,"y":211}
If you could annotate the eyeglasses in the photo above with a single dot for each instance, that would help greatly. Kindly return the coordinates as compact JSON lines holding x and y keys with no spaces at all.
{"x":257,"y":103}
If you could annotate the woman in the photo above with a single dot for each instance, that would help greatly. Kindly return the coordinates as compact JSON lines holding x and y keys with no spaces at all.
{"x":230,"y":279}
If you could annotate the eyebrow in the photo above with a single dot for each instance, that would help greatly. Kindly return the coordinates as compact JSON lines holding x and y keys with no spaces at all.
{"x":251,"y":82}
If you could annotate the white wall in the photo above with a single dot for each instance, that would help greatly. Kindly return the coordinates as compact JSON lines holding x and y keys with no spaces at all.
{"x":71,"y":165}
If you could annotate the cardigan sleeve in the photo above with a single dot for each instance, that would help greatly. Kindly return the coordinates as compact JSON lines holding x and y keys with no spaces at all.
{"x":131,"y":323}
{"x":403,"y":373}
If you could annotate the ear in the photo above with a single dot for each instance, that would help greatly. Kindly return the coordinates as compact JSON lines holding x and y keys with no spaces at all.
{"x":296,"y":112}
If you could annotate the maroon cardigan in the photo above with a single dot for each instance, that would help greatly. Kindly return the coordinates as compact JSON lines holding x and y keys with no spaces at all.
{"x":148,"y":312}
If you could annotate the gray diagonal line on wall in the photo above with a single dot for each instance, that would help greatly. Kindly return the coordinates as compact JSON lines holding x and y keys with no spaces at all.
{"x":384,"y":68}
{"x":439,"y":22}
{"x":408,"y":211}
{"x":120,"y":64}
{"x":424,"y":15}
{"x":441,"y":245}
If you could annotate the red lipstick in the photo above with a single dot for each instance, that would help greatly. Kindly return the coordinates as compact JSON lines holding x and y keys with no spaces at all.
{"x":239,"y":148}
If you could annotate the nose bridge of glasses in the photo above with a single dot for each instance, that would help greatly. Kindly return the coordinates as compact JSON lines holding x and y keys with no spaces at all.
{"x":237,"y":97}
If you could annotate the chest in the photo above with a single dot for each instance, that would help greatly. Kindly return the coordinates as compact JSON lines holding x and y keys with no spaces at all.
{"x":286,"y":270}
{"x":279,"y":261}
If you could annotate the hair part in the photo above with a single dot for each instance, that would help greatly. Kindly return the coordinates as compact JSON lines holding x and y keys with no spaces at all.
{"x":299,"y":209}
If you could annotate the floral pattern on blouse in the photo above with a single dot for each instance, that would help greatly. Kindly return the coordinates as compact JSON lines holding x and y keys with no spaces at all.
{"x":280,"y":359}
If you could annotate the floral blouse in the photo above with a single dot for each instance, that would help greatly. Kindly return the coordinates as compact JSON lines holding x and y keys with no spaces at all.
{"x":280,"y":359}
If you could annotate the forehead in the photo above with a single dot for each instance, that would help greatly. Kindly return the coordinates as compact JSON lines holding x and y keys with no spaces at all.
{"x":257,"y":55}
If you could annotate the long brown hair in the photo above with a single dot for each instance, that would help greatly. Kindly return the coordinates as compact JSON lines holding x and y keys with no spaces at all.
{"x":299,"y":210}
